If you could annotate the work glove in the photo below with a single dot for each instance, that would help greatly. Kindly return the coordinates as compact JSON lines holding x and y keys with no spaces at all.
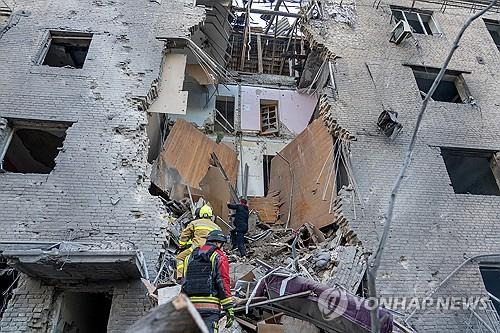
{"x":230,"y":317}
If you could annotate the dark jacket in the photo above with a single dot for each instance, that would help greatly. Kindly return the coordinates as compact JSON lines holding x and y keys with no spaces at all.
{"x":240,"y":217}
{"x":220,"y":293}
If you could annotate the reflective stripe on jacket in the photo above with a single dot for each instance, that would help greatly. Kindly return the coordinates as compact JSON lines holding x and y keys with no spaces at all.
{"x":220,"y":269}
{"x":196,"y":232}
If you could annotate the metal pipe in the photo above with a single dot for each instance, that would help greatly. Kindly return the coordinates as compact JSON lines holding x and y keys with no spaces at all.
{"x":274,"y":300}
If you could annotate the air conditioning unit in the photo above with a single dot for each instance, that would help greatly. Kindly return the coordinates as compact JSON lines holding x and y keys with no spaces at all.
{"x":401,"y":31}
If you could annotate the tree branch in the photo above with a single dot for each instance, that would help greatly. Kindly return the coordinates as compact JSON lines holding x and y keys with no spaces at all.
{"x":374,"y":264}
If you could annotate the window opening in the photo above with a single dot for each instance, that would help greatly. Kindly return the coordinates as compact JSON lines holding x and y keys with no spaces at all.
{"x":224,"y":114}
{"x":494,"y":30}
{"x":266,"y":164}
{"x":64,"y":49}
{"x":83,"y":312}
{"x":452,"y":87}
{"x":472,"y":171}
{"x":269,"y":117}
{"x":421,"y":22}
{"x":31,"y":147}
{"x":491,"y":279}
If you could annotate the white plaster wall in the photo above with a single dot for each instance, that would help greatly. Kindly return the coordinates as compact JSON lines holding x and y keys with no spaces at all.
{"x":253,"y":150}
{"x":294,"y":109}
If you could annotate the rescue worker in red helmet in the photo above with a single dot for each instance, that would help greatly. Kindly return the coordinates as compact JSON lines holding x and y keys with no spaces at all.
{"x":206,"y":281}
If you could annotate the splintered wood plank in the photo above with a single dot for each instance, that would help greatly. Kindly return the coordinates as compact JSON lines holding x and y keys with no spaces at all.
{"x":178,"y":315}
{"x":188,"y":150}
{"x":307,"y":155}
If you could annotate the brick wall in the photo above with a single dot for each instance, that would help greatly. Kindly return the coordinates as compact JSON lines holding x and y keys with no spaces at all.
{"x":434,"y":229}
{"x":98,"y":190}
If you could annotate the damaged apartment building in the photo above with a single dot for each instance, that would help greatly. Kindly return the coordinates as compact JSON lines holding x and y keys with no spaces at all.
{"x":118,"y":118}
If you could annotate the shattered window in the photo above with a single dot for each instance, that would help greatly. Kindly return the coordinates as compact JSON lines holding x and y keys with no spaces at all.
{"x":472,"y":171}
{"x":421,"y":22}
{"x":269,"y":117}
{"x":494,"y":30}
{"x":224,"y":114}
{"x":31,"y":147}
{"x":452,"y":87}
{"x":64,"y":49}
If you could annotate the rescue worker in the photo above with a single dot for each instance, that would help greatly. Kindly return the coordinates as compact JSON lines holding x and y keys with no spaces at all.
{"x":206,"y":281}
{"x":194,"y":235}
{"x":240,"y":221}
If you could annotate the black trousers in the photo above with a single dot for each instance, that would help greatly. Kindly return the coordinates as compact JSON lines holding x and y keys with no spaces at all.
{"x":238,"y":241}
{"x":211,"y":319}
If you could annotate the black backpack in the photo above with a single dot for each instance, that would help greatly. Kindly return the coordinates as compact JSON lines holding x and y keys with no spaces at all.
{"x":198,"y":280}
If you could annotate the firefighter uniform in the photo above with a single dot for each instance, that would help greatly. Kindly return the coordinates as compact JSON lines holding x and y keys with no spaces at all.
{"x":195,"y":234}
{"x":207,"y":283}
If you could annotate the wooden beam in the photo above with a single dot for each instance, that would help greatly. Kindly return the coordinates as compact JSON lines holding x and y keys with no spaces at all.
{"x":259,"y":55}
{"x":276,"y":8}
{"x":245,"y":35}
{"x":267,"y":12}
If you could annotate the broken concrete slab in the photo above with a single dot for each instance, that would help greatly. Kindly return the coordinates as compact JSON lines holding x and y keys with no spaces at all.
{"x":171,"y":99}
{"x":92,"y":265}
{"x":167,"y":294}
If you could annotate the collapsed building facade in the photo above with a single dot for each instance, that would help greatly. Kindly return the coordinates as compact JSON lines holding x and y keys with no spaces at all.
{"x":118,"y":116}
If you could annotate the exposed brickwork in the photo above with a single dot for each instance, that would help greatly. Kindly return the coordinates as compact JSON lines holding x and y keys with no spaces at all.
{"x":99,"y":188}
{"x":434,"y":229}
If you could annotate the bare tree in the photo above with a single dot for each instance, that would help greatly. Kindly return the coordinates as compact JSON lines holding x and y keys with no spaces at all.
{"x":374,"y":263}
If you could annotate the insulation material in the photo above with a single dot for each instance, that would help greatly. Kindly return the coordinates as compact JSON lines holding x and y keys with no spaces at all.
{"x":294,"y":109}
{"x":267,"y":208}
{"x":311,"y":186}
{"x":216,"y":191}
{"x":171,"y":99}
{"x":185,"y":158}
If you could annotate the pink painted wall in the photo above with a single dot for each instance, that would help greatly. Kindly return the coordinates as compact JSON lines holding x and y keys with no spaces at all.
{"x":294,"y":109}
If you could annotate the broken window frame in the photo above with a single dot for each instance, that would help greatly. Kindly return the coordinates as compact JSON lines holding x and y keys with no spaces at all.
{"x":430,"y":73}
{"x":226,"y":126}
{"x":474,"y":153}
{"x":493,"y":26}
{"x":269,"y":124}
{"x":17,"y":124}
{"x":61,"y":35}
{"x":434,"y":29}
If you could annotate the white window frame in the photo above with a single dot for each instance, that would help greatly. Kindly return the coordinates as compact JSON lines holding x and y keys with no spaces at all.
{"x":409,"y":10}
